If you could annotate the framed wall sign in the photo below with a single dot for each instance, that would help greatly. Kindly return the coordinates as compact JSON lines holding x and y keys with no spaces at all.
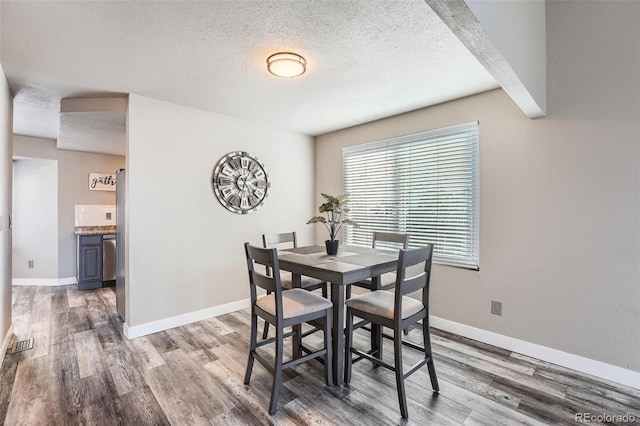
{"x":102,"y":182}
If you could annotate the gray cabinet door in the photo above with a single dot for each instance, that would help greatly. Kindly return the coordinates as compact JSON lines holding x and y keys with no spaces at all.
{"x":89,"y":261}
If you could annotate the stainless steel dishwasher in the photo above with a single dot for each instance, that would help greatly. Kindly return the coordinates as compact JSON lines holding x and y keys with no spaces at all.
{"x":108,"y":259}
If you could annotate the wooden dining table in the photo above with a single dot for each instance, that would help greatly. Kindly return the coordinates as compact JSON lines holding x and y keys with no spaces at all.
{"x":350,"y":265}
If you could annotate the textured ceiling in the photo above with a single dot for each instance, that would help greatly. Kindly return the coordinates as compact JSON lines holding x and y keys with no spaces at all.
{"x":366,"y":59}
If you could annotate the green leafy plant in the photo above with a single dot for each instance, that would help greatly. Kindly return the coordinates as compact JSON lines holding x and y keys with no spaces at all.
{"x":333,"y":208}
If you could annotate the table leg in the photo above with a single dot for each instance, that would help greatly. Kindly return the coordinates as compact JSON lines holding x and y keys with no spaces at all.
{"x":376,"y":330}
{"x":295,"y":343}
{"x":337,"y":298}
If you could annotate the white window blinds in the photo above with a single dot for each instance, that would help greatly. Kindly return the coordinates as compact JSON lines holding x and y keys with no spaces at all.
{"x":423,"y":184}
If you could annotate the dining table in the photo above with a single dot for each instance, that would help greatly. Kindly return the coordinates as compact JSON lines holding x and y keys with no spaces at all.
{"x":350,"y":265}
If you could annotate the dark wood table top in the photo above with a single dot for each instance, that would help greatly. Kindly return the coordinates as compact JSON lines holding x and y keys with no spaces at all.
{"x":351,"y":264}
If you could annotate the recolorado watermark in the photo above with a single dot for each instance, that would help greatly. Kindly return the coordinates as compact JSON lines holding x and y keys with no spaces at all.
{"x":604,"y":418}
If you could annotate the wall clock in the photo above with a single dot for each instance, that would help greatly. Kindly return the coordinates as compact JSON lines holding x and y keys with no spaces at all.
{"x":240,"y":182}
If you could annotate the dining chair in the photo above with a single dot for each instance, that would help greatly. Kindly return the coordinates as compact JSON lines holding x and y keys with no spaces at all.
{"x":388,"y":240}
{"x":283,"y":309}
{"x":396,"y":311}
{"x":290,"y":240}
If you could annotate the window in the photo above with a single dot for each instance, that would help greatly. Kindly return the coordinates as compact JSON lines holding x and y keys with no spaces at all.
{"x":424,"y":184}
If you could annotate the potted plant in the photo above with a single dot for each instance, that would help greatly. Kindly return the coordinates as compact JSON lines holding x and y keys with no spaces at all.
{"x":333,"y":208}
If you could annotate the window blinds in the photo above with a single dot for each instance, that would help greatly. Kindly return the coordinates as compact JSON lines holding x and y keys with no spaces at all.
{"x":422,"y":184}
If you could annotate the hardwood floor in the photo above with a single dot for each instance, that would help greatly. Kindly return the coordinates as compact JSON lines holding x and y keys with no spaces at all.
{"x":82,"y":370}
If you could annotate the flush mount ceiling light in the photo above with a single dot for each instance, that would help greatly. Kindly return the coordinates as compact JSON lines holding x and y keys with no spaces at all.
{"x":286,"y":64}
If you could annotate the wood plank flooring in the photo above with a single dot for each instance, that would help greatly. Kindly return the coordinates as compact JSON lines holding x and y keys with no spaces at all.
{"x":82,"y":370}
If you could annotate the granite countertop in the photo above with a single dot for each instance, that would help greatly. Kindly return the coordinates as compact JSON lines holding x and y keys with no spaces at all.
{"x":94,"y":230}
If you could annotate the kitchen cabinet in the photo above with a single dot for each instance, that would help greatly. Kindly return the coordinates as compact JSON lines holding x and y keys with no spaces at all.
{"x":89,"y":257}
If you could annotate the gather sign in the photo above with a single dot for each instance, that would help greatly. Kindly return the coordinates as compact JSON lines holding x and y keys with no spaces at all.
{"x":102,"y":182}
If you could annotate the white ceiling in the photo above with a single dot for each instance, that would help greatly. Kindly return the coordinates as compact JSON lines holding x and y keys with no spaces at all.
{"x":365,"y":59}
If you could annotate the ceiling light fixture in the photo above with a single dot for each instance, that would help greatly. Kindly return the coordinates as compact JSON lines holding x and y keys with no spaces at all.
{"x":286,"y":64}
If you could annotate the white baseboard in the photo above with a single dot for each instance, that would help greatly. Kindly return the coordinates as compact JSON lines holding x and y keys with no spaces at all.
{"x":178,"y":320}
{"x":554,"y":356}
{"x":575,"y":362}
{"x":5,"y":343}
{"x":44,"y":282}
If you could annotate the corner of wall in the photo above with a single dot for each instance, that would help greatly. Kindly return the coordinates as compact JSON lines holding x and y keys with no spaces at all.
{"x":6,"y":167}
{"x":5,"y":343}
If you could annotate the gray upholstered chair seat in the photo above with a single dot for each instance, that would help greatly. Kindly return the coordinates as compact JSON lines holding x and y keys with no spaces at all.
{"x":381,"y":303}
{"x":287,"y":282}
{"x":295,"y":302}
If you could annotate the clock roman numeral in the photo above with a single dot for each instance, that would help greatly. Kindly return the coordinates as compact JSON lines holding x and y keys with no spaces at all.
{"x":226,"y":192}
{"x":234,"y":164}
{"x":223,"y":181}
{"x":244,"y":203}
{"x":253,"y":167}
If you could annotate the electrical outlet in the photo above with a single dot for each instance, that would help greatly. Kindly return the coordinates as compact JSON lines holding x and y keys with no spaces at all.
{"x":30,"y":263}
{"x":496,"y":307}
{"x":108,"y":215}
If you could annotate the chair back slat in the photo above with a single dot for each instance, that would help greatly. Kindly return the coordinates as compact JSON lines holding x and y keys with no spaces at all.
{"x":264,"y":281}
{"x":270,"y":240}
{"x":273,"y":239}
{"x":390,"y":237}
{"x":409,"y":284}
{"x":268,"y":258}
{"x":412,"y":284}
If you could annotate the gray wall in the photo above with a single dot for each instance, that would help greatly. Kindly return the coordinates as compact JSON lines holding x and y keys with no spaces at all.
{"x":185,"y":251}
{"x":559,"y":196}
{"x":5,"y":210}
{"x":73,"y":173}
{"x":35,"y":218}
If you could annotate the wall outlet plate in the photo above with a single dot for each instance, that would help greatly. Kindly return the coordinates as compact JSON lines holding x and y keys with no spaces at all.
{"x":496,"y":307}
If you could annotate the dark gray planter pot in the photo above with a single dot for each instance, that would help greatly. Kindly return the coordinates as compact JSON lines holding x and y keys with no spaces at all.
{"x":332,"y":247}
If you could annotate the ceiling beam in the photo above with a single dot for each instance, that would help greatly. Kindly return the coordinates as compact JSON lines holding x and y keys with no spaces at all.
{"x":528,"y":92}
{"x":99,"y":120}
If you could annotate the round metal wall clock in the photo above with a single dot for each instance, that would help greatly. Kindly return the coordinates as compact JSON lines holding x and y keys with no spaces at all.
{"x":240,"y":182}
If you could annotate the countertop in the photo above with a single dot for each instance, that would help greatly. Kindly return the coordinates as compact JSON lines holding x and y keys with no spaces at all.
{"x":94,"y":230}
